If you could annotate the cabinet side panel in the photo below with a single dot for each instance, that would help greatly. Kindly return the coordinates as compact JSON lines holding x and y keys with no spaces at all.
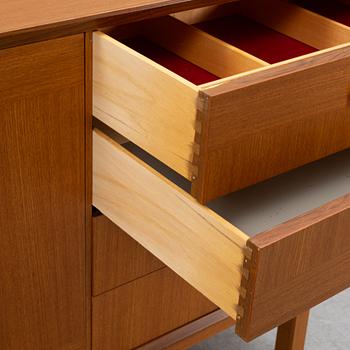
{"x":42,"y":191}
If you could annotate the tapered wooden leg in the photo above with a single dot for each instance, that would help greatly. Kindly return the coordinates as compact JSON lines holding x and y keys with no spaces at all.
{"x":292,"y":334}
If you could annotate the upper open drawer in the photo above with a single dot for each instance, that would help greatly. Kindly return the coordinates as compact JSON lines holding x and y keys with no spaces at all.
{"x":222,"y":116}
{"x":301,"y":258}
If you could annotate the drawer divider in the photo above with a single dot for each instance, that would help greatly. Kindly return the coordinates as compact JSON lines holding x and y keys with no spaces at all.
{"x":298,"y":23}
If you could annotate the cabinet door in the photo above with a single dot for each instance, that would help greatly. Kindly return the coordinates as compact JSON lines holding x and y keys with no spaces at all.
{"x":42,"y":196}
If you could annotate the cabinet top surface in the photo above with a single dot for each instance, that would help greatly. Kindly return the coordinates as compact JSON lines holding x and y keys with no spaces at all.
{"x":30,"y":18}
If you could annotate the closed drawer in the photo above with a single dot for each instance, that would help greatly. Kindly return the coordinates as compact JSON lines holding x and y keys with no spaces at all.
{"x":145,"y":309}
{"x":263,"y":254}
{"x":117,"y":258}
{"x":222,"y":116}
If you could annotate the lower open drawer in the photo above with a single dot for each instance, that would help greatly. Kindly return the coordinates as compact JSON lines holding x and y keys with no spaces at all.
{"x":259,"y":279}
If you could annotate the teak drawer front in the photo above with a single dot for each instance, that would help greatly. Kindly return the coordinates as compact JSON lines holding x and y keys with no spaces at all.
{"x":266,"y":280}
{"x":117,"y":258}
{"x":233,"y":132}
{"x":145,"y":309}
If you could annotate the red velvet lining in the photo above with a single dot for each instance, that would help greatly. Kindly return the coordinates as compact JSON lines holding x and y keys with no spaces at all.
{"x":255,"y":38}
{"x":332,"y":9}
{"x":169,"y":60}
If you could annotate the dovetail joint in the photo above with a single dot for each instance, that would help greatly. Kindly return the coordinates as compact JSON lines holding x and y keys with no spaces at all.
{"x":245,"y":273}
{"x":248,"y":252}
{"x":202,"y":102}
{"x":196,"y":149}
{"x":195,"y":171}
{"x":198,"y":126}
{"x":243,"y":292}
{"x":240,"y":312}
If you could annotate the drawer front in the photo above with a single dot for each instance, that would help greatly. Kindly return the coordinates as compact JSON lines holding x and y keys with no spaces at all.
{"x":117,"y":258}
{"x":258,"y":126}
{"x":145,"y":309}
{"x":208,"y":252}
{"x":44,"y":286}
{"x":233,"y":132}
{"x":295,"y":266}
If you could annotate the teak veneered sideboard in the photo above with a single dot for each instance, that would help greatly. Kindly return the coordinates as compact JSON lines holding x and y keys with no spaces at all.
{"x":170,"y":169}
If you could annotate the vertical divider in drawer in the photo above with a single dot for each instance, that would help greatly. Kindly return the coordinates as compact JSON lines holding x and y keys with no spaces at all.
{"x":200,"y":48}
{"x":299,"y":23}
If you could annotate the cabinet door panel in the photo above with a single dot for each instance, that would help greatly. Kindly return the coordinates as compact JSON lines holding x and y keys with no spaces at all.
{"x":42,"y":192}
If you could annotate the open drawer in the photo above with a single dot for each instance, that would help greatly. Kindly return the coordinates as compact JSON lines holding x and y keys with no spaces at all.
{"x":226,"y":117}
{"x":262,"y":280}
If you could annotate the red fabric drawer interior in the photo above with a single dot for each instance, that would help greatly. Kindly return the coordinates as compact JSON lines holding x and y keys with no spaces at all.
{"x":252,"y":37}
{"x":332,"y":9}
{"x":255,"y":38}
{"x":169,"y":60}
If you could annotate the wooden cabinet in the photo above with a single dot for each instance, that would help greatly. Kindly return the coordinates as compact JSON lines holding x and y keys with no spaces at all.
{"x":212,"y":116}
{"x":42,"y":192}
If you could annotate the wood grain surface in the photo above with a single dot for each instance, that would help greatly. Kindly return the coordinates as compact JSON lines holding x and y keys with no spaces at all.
{"x":145,"y":309}
{"x":206,"y":13}
{"x":117,"y":258}
{"x":310,"y":28}
{"x":191,"y":333}
{"x":260,"y":124}
{"x":296,"y":266}
{"x":291,"y":335}
{"x":188,"y":237}
{"x":200,"y":48}
{"x":42,"y":191}
{"x":146,"y":103}
{"x":88,"y":183}
{"x":23,"y":21}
